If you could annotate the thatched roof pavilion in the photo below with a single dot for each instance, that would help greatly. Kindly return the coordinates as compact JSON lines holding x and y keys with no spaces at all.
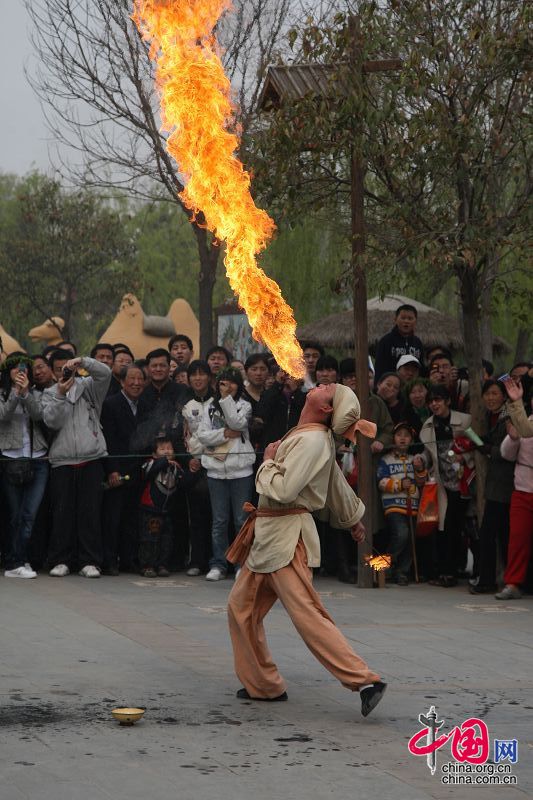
{"x":336,"y":331}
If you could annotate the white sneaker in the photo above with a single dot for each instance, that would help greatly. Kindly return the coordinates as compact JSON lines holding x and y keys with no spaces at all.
{"x":215,"y":574}
{"x":90,"y":571}
{"x":509,"y":592}
{"x":59,"y":571}
{"x":193,"y":572}
{"x":20,"y":572}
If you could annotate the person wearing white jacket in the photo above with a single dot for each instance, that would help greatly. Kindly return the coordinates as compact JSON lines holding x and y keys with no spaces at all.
{"x":228,"y":458}
{"x":200,"y":522}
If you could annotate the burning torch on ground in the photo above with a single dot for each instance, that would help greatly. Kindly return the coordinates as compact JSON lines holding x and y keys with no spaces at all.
{"x":379,"y":563}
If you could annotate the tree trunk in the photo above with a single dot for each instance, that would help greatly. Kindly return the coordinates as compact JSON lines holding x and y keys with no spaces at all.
{"x":364,"y":454}
{"x":486,"y":324}
{"x":522,"y":344}
{"x":208,"y":252}
{"x":473,"y":352}
{"x":68,"y":330}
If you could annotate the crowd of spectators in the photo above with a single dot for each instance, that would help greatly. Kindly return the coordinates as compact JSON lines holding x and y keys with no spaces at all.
{"x":111,"y":464}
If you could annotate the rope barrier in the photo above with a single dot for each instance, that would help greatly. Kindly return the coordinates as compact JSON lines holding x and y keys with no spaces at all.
{"x":414,"y":448}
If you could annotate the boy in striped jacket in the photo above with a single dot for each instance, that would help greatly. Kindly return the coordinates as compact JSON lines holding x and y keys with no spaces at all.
{"x":400,"y":477}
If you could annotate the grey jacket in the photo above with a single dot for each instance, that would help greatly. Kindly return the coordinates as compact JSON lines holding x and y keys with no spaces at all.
{"x":76,"y":422}
{"x":12,"y":424}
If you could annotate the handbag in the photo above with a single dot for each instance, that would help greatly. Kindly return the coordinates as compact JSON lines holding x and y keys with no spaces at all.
{"x":18,"y":471}
{"x":428,"y":510}
{"x":220,"y":451}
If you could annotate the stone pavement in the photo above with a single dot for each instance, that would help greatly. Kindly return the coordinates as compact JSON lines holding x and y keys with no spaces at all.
{"x":72,"y":649}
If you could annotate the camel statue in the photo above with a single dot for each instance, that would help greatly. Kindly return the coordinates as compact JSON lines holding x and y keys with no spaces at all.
{"x":142,"y":332}
{"x":50,"y":332}
{"x":9,"y":345}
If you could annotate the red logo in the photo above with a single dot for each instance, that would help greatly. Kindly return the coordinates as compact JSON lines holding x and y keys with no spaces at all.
{"x":469,"y":741}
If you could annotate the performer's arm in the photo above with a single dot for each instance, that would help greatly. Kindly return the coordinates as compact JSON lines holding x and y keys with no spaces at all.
{"x":343,"y":501}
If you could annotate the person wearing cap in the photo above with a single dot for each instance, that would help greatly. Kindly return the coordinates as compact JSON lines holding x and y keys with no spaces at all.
{"x":401,"y":475}
{"x":408,"y":368}
{"x":279,"y":546}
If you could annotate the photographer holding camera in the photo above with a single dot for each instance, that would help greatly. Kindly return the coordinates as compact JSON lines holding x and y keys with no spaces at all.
{"x":71,"y":409}
{"x":442,"y":372}
{"x":24,"y":468}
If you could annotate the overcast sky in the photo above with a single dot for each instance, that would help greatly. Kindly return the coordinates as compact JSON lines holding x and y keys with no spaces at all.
{"x":23,"y":134}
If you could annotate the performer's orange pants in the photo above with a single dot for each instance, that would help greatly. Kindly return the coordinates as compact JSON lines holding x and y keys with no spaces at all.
{"x":250,"y":600}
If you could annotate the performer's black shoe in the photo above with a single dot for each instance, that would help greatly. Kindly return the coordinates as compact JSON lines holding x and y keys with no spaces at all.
{"x":242,"y":694}
{"x":371,"y":696}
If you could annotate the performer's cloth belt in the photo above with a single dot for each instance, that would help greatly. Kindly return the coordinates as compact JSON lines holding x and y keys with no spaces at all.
{"x":239,"y":550}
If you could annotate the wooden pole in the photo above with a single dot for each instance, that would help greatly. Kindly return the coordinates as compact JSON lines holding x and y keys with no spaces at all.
{"x":358,"y":69}
{"x":357,"y":176}
{"x":364,"y":454}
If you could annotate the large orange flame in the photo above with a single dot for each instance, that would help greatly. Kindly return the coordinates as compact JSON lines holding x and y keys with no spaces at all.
{"x":196,"y":108}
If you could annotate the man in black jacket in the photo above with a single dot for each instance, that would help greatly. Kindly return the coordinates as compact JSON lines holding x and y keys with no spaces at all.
{"x":161,"y":395}
{"x":119,"y":421}
{"x":280,"y":407}
{"x":160,"y":408}
{"x":400,"y":341}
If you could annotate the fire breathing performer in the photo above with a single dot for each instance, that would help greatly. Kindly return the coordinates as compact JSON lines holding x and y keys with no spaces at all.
{"x":279,"y":546}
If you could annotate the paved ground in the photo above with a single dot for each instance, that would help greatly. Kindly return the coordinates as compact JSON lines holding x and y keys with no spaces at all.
{"x":73,"y":649}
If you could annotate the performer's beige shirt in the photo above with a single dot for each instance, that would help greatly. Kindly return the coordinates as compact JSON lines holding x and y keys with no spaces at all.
{"x":304,"y":473}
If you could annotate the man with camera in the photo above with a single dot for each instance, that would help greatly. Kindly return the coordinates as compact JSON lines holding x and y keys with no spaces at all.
{"x":71,"y":409}
{"x":442,"y":372}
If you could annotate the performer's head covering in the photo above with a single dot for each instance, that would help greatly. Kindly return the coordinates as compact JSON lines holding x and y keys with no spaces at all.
{"x":346,"y":417}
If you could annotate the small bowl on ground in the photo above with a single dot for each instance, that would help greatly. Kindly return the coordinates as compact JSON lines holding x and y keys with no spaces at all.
{"x":128,"y":716}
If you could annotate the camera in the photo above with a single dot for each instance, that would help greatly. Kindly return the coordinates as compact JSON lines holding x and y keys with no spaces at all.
{"x":67,"y":373}
{"x":22,"y":367}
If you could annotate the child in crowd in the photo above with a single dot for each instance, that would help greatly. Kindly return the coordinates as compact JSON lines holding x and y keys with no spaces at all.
{"x":162,"y":476}
{"x":400,"y":475}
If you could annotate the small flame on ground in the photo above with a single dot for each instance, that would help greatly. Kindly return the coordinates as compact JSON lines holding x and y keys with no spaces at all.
{"x":379,"y":562}
{"x":196,"y":107}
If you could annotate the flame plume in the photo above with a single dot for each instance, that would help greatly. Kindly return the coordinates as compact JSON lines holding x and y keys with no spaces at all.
{"x":196,"y":107}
